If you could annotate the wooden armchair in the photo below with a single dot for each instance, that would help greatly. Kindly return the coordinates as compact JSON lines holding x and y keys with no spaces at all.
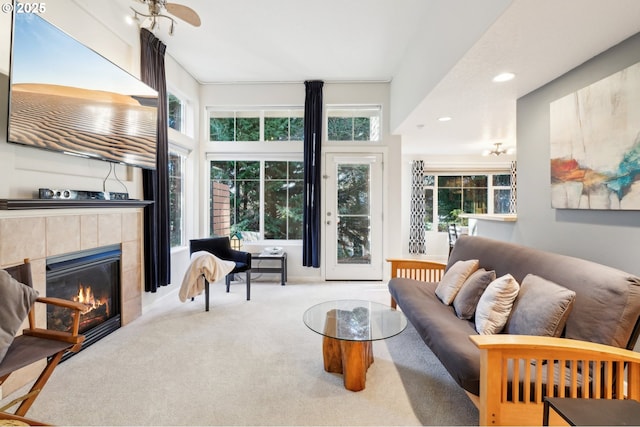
{"x":36,"y":344}
{"x":416,"y":269}
{"x":551,"y":367}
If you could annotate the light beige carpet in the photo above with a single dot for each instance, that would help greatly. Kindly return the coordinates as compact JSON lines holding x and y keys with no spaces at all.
{"x":247,"y":363}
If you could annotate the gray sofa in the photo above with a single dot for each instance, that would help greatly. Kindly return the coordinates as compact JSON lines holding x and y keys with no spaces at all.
{"x":606,"y":309}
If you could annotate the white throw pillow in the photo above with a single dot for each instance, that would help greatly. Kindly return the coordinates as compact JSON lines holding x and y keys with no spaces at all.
{"x":454,"y":278}
{"x":495,"y":305}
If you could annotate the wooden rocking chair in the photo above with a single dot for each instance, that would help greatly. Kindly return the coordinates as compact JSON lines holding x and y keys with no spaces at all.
{"x":36,"y":344}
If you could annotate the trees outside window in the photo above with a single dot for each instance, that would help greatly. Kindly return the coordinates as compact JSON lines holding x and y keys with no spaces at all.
{"x":175,"y":112}
{"x":353,"y":123}
{"x":448,"y":196}
{"x":176,"y":199}
{"x":256,"y":125}
{"x":264,"y":196}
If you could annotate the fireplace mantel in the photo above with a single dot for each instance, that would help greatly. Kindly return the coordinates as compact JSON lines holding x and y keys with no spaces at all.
{"x":26,"y":204}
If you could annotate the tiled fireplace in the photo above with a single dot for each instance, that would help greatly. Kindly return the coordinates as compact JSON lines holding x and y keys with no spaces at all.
{"x":43,"y":234}
{"x":92,"y":278}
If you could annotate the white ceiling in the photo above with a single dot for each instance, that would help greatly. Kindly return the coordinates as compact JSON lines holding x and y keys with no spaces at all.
{"x":366,"y":40}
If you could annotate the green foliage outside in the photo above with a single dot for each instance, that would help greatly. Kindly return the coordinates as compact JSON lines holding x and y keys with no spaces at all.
{"x":174,"y":112}
{"x":175,"y":200}
{"x":248,"y":129}
{"x":348,"y":128}
{"x":282,"y":196}
{"x":353,"y":214}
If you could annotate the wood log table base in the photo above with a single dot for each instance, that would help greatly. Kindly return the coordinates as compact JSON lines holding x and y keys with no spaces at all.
{"x":349,"y":358}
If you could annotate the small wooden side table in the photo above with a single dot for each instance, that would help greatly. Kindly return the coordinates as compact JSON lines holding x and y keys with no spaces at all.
{"x":593,"y":412}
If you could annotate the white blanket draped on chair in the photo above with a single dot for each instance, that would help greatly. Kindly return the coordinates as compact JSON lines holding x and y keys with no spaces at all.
{"x":203,"y":265}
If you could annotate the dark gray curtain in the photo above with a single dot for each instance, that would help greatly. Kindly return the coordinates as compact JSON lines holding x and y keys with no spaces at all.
{"x":157,"y":248}
{"x":312,"y":174}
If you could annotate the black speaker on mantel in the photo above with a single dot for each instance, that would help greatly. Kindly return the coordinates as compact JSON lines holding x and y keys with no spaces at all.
{"x":66,"y":194}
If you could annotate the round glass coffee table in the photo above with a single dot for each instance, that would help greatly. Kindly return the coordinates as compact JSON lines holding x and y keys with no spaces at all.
{"x":348,"y":328}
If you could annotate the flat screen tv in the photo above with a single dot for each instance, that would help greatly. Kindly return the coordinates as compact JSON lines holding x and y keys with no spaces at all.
{"x":63,"y":96}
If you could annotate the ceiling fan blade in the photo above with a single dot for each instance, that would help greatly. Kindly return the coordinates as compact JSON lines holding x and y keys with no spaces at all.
{"x":185,"y":13}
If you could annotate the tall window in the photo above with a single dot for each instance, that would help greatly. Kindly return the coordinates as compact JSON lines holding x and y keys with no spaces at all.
{"x":176,"y":198}
{"x":284,"y":124}
{"x":283,"y":199}
{"x":449,"y":195}
{"x":353,"y":123}
{"x":263,"y":196}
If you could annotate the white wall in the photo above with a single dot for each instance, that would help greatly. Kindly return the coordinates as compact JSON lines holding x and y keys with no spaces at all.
{"x":293,"y":94}
{"x":608,"y":237}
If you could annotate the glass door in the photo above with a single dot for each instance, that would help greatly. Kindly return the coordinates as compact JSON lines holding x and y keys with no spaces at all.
{"x":353,"y":217}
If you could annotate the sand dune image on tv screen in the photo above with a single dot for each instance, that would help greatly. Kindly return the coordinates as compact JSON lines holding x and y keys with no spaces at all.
{"x":100,"y":124}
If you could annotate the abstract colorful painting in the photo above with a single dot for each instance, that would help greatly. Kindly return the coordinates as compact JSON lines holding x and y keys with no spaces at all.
{"x":595,"y":145}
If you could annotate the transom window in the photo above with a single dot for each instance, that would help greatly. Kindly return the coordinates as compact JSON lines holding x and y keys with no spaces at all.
{"x":263,"y":196}
{"x":286,"y":124}
{"x":353,"y":123}
{"x":176,"y":112}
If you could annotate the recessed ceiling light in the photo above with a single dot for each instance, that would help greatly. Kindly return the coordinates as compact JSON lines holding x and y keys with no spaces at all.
{"x":420,"y":126}
{"x":504,"y":77}
{"x":444,"y":119}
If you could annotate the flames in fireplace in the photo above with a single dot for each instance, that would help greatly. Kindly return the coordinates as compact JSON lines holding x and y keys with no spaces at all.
{"x":85,"y":296}
{"x":98,"y":308}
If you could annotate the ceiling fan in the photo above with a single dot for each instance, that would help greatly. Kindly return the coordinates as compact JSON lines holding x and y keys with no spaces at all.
{"x":156,"y":8}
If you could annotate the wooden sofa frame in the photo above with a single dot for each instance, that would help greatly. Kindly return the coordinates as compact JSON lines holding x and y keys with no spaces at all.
{"x":590,"y":370}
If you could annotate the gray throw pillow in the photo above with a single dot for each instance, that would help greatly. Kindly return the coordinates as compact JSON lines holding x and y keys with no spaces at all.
{"x":495,"y":305}
{"x":16,"y":300}
{"x":468,"y":296}
{"x":453,"y":279}
{"x":541,"y":308}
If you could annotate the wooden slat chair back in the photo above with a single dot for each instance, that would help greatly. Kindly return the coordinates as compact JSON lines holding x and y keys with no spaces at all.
{"x":36,"y":344}
{"x":518,"y":372}
{"x":425,"y":271}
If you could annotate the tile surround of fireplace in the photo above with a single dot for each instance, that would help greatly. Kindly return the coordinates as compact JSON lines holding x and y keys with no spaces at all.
{"x":42,"y":233}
